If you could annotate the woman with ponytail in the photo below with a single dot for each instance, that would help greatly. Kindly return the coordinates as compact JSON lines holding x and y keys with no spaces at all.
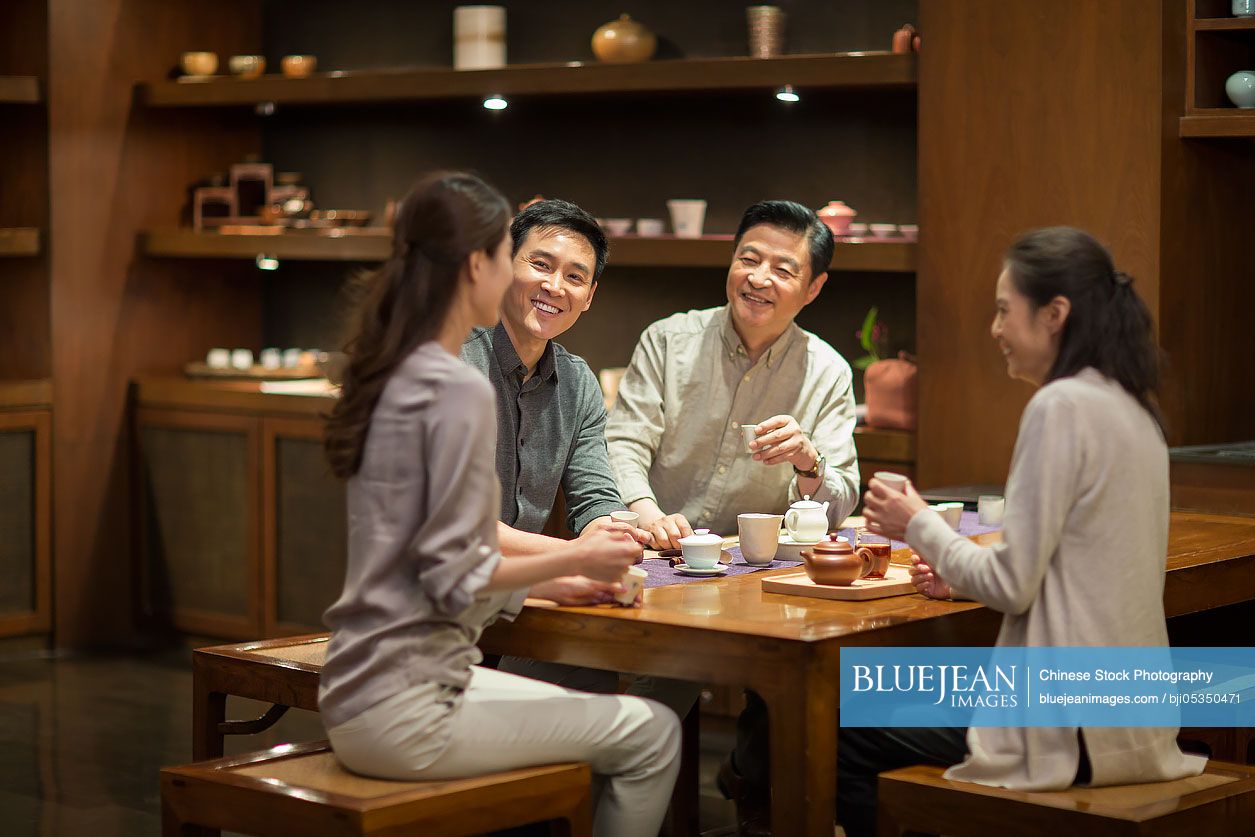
{"x":1085,"y":534}
{"x":414,"y":435}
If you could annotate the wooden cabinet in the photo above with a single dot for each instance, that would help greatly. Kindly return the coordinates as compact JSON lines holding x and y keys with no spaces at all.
{"x":25,"y":508}
{"x":241,"y":526}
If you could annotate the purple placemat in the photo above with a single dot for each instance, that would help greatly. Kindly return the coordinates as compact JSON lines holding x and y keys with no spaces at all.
{"x":662,"y":574}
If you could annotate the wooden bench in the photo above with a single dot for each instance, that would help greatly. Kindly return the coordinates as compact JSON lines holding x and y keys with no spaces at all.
{"x":302,"y":789}
{"x":1221,"y":801}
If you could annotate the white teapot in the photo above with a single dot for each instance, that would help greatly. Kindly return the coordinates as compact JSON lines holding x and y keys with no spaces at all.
{"x":806,"y":521}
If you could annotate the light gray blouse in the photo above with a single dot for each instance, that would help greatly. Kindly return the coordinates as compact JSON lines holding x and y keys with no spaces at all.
{"x":1082,"y":562}
{"x":422,"y":514}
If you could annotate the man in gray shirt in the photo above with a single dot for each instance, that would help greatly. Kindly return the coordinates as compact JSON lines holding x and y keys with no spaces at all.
{"x":550,"y":413}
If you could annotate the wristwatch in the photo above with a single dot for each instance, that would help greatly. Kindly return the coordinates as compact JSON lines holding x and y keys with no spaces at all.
{"x":816,"y":469}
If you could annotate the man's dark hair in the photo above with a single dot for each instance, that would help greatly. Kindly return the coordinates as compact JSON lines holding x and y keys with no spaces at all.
{"x":791,"y":216}
{"x":563,"y":215}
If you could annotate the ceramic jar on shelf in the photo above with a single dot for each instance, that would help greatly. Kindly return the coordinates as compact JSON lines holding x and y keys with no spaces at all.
{"x":1241,"y":88}
{"x":624,"y":41}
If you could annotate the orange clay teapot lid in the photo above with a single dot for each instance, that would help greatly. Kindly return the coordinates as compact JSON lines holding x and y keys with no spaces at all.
{"x":834,"y":545}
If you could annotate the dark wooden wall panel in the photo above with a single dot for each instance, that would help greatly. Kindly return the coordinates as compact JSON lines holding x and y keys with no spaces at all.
{"x":25,"y":324}
{"x":117,"y":169}
{"x":1030,"y":115}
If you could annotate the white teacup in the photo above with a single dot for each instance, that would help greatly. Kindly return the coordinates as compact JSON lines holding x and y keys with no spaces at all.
{"x":627,"y":517}
{"x":749,"y":432}
{"x":633,"y":582}
{"x":649,"y":227}
{"x":990,"y":508}
{"x":895,"y":481}
{"x":701,"y":549}
{"x":952,"y":513}
{"x":760,"y":536}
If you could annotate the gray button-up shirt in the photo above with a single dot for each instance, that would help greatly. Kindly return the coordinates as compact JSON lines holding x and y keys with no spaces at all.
{"x":550,"y":433}
{"x":675,"y":431}
{"x":422,"y":514}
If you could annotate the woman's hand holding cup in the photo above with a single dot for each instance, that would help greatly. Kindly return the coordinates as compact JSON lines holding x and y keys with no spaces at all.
{"x":889,"y":505}
{"x":608,"y":553}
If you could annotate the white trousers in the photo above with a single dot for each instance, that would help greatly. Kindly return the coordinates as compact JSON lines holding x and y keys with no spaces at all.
{"x":679,"y":696}
{"x":504,"y":721}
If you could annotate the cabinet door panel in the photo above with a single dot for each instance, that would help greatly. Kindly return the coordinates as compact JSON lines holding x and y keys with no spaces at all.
{"x":305,"y":530}
{"x":25,"y":525}
{"x":200,"y":482}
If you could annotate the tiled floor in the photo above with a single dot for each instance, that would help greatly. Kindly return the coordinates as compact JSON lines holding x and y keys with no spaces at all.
{"x":82,"y":740}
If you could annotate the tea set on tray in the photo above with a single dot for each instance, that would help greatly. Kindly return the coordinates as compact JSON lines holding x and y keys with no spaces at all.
{"x":829,"y":559}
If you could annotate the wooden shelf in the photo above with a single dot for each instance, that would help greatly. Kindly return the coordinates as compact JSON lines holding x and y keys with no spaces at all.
{"x":1218,"y":122}
{"x":626,"y":251}
{"x":19,"y":241}
{"x":848,"y":70}
{"x":19,"y":90}
{"x":180,"y":393}
{"x":886,"y":445}
{"x":1224,"y":24}
{"x":24,"y":395}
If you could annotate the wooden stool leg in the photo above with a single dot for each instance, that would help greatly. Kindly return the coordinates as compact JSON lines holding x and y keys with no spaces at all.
{"x":577,"y":821}
{"x":209,"y":710}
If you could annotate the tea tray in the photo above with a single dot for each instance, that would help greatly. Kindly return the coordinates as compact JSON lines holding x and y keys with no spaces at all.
{"x":897,"y":582}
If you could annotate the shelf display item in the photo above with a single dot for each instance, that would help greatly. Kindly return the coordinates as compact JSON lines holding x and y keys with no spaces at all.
{"x":212,"y":206}
{"x":624,"y":41}
{"x":687,"y":217}
{"x":1241,"y":88}
{"x":766,"y":31}
{"x":1243,"y":8}
{"x":837,"y":216}
{"x":247,"y":66}
{"x":197,"y":64}
{"x":905,"y":40}
{"x":298,"y":66}
{"x":252,"y":184}
{"x":478,"y":37}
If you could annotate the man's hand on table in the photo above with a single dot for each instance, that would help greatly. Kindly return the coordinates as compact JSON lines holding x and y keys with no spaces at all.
{"x":926,"y":581}
{"x":666,"y":531}
{"x":888,"y":511}
{"x":780,"y":439}
{"x":576,"y":590}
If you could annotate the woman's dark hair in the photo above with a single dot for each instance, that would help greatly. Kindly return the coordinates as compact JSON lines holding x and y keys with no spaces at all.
{"x":562,"y":215}
{"x":445,"y":218}
{"x":797,"y":219}
{"x":1108,"y":327}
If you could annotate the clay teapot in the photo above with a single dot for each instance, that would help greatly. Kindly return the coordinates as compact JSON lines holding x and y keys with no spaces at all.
{"x":624,"y":41}
{"x":837,"y":563}
{"x":905,"y":40}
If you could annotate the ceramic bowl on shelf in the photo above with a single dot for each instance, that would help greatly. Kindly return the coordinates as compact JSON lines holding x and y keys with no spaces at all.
{"x":882,"y":231}
{"x":909,"y":231}
{"x":856,"y":230}
{"x":1241,"y":88}
{"x":247,"y":66}
{"x":298,"y":66}
{"x":617,"y":226}
{"x":199,"y":63}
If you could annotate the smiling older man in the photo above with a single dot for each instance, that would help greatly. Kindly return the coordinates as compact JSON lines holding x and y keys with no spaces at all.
{"x":675,"y":433}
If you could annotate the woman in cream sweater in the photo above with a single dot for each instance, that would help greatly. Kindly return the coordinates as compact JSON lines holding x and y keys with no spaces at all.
{"x":1086,"y":528}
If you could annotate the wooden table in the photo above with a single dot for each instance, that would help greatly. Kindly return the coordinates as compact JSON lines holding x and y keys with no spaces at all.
{"x":727,"y":631}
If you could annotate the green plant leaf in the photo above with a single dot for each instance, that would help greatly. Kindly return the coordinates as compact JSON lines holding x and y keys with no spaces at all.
{"x":865,"y":361}
{"x":869,"y":324}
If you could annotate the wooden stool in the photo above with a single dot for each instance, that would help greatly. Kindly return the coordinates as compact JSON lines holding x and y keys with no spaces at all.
{"x":302,"y":789}
{"x":1219,"y":802}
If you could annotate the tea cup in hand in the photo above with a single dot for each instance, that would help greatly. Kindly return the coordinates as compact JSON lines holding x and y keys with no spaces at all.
{"x":633,"y":583}
{"x":608,"y":554}
{"x":888,"y":510}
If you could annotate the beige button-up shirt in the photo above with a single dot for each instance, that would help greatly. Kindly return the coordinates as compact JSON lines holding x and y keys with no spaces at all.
{"x":675,"y":432}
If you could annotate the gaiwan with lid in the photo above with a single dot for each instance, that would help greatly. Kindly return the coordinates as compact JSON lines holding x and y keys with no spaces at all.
{"x":701,"y":549}
{"x":834,"y":561}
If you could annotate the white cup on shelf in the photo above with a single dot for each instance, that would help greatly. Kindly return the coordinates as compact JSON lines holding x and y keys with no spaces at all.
{"x":687,"y":217}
